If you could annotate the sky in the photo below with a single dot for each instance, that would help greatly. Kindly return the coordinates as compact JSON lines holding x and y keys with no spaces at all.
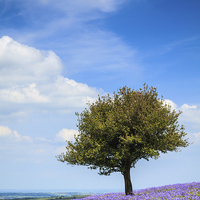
{"x":55,"y":56}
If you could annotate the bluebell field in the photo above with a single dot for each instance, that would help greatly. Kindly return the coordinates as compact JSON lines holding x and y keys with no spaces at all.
{"x":176,"y":192}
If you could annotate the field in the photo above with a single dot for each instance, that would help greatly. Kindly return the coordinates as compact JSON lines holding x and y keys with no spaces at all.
{"x":187,"y":191}
{"x":177,"y":192}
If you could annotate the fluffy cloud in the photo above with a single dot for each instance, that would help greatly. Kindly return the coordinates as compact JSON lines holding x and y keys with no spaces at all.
{"x":13,"y":135}
{"x":22,"y":94}
{"x":190,"y":117}
{"x":21,"y":64}
{"x":68,"y":93}
{"x":66,"y":134}
{"x":31,"y":76}
{"x":191,"y":114}
{"x":4,"y":131}
{"x":20,"y":137}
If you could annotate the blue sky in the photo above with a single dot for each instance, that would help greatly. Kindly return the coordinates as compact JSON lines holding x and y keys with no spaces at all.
{"x":55,"y":56}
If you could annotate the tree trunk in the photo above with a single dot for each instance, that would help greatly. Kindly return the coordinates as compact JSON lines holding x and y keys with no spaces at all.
{"x":127,"y":181}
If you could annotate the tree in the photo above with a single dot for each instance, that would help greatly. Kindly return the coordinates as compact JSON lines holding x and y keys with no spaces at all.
{"x":115,"y":132}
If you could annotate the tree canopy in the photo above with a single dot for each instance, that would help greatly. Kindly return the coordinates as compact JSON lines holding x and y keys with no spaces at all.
{"x":116,"y":131}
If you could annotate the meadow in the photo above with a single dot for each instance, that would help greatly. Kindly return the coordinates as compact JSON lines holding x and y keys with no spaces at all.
{"x":186,"y":191}
{"x":177,"y":192}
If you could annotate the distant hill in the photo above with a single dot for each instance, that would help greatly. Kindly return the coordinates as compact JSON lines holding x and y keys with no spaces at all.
{"x":39,"y":195}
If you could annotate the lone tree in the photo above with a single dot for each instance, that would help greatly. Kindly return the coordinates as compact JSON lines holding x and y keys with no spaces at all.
{"x":115,"y":132}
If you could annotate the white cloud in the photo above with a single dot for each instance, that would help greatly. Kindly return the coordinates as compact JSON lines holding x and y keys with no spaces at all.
{"x":22,"y":94}
{"x":186,"y":106}
{"x":16,"y":136}
{"x":66,"y":134}
{"x":21,"y":64}
{"x":171,"y":104}
{"x":30,"y":76}
{"x":4,"y":131}
{"x":68,"y":93}
{"x":13,"y":135}
{"x":190,"y":117}
{"x":191,"y":114}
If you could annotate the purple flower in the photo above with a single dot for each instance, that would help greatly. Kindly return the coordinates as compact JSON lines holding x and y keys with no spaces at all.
{"x":187,"y":191}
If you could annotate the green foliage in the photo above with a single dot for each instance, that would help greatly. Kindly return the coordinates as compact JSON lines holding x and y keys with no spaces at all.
{"x":115,"y":132}
{"x":129,"y":126}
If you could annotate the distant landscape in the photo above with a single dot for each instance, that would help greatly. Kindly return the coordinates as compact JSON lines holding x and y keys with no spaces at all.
{"x":52,"y":194}
{"x":177,"y":191}
{"x":41,"y":195}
